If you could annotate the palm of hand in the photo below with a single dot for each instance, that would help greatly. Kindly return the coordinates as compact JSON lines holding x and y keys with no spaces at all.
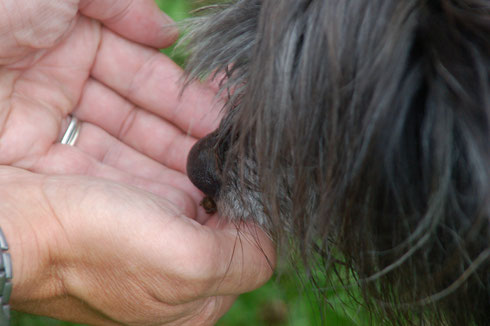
{"x":31,"y":80}
{"x":136,"y":127}
{"x":136,"y":130}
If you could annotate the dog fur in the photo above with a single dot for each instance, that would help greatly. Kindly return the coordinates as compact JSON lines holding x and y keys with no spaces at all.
{"x":361,"y":129}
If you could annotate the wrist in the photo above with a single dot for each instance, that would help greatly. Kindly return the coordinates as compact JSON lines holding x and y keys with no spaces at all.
{"x":5,"y":280}
{"x":29,"y":232}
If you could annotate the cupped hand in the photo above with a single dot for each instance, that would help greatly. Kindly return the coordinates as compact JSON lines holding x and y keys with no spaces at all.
{"x":110,"y":231}
{"x":97,"y":252}
{"x":137,"y":128}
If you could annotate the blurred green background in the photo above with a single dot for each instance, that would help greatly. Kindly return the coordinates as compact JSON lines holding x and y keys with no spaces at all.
{"x":284,"y":300}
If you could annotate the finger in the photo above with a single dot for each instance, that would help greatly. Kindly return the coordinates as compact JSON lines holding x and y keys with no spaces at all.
{"x":235,"y":259}
{"x":64,"y":159}
{"x":225,"y":304}
{"x":138,"y":20}
{"x":109,"y":151}
{"x":45,"y":93}
{"x":58,"y":76}
{"x":139,"y":129}
{"x":150,"y":175}
{"x":152,"y":81}
{"x":252,"y":258}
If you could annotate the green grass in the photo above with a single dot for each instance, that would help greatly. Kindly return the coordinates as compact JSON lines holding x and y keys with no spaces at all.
{"x":282,"y":301}
{"x":178,"y":10}
{"x":285,"y":300}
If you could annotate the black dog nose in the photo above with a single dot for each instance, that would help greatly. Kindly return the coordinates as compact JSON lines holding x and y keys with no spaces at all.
{"x":202,"y":166}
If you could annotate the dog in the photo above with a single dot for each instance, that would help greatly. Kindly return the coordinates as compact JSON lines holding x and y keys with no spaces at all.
{"x":357,"y":131}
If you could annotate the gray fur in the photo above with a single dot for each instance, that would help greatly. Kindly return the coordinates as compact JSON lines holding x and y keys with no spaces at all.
{"x":362,"y":126}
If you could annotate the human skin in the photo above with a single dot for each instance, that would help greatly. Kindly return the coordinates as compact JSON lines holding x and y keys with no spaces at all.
{"x":110,"y":232}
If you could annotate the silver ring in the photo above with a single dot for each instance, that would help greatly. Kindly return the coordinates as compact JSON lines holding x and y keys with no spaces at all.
{"x":71,"y":133}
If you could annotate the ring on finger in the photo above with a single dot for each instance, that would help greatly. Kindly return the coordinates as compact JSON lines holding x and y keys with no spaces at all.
{"x":71,"y":134}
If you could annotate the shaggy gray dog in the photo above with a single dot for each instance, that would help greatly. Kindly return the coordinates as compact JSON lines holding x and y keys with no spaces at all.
{"x":361,"y":129}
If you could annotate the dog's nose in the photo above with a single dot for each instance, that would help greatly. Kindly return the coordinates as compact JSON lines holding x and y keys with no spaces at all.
{"x":202,"y":166}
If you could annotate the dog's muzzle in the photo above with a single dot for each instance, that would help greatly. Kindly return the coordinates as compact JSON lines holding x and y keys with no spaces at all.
{"x":202,"y":166}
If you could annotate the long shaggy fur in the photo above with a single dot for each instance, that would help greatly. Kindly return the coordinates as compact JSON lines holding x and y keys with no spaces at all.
{"x":360,"y":127}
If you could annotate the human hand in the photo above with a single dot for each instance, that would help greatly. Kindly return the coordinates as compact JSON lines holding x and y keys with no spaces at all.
{"x":97,"y":252}
{"x":127,"y":94}
{"x":136,"y":131}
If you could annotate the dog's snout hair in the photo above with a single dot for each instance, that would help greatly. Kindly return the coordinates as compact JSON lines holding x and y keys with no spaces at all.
{"x":361,"y":128}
